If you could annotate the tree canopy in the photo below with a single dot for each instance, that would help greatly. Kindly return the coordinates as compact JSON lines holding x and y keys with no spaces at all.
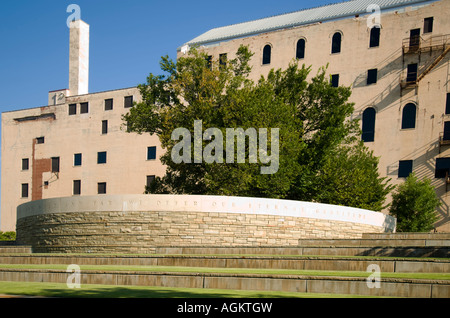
{"x":319,"y":153}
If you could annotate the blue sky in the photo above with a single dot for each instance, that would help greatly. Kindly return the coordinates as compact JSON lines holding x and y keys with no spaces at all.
{"x":127,"y":39}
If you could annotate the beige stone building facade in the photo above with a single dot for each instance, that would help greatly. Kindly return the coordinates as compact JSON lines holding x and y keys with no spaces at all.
{"x":396,"y":63}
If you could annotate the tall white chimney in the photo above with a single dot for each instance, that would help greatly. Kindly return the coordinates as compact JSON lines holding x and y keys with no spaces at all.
{"x":79,"y":58}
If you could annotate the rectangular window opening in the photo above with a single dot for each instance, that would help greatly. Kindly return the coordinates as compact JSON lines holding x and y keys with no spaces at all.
{"x":40,"y":140}
{"x":128,"y":101}
{"x":223,"y":60}
{"x":372,"y":76}
{"x":411,"y":75}
{"x":101,"y":157}
{"x":72,"y":109}
{"x":76,"y":187}
{"x":414,"y":38}
{"x":109,"y":104}
{"x":55,"y":164}
{"x":84,"y":108}
{"x":405,"y":168}
{"x":101,"y":187}
{"x":25,"y":164}
{"x":442,"y":167}
{"x":150,"y":180}
{"x":77,"y":159}
{"x":428,"y":25}
{"x":151,"y":153}
{"x":24,"y":190}
{"x":104,"y":127}
{"x":335,"y":80}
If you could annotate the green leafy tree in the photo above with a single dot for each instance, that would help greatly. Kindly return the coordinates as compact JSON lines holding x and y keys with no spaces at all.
{"x":312,"y":118}
{"x":414,"y":205}
{"x":7,"y":236}
{"x":349,"y":176}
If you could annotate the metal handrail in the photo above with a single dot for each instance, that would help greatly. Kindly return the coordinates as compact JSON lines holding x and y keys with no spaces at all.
{"x":432,"y":41}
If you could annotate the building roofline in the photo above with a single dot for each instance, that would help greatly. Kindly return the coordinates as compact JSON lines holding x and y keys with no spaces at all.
{"x":36,"y":107}
{"x":340,"y":10}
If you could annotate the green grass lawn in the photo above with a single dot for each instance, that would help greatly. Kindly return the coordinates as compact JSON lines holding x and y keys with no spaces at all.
{"x":109,"y":291}
{"x":178,"y":269}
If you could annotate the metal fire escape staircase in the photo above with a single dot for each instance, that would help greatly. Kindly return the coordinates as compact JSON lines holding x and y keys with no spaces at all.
{"x":419,"y":46}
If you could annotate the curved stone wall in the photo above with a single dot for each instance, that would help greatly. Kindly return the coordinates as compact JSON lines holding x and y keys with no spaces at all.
{"x":138,"y":223}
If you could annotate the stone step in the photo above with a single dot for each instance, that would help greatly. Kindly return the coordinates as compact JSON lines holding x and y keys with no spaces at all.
{"x":391,"y":265}
{"x":399,"y":251}
{"x":395,"y":236}
{"x":375,"y":242}
{"x":388,"y":287}
{"x":15,"y":249}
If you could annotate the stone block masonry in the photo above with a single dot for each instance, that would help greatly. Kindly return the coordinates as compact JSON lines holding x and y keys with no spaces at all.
{"x":129,"y":224}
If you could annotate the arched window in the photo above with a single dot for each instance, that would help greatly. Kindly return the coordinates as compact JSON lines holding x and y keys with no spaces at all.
{"x":301,"y":49}
{"x":374,"y":37}
{"x":409,"y":116}
{"x":336,"y":43}
{"x":267,"y":52}
{"x":368,"y":125}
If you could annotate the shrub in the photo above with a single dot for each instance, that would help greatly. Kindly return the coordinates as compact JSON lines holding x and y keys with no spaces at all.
{"x":414,"y":205}
{"x":7,"y":236}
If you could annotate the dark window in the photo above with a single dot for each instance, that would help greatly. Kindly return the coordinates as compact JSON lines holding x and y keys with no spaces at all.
{"x":72,"y":109}
{"x":101,"y":186}
{"x":101,"y":157}
{"x":25,"y":164}
{"x":128,"y":101}
{"x":335,"y":80}
{"x":223,"y":60}
{"x":409,"y":116}
{"x":374,"y":37}
{"x":150,"y":180}
{"x":411,"y":75}
{"x":446,"y":130}
{"x":301,"y":49}
{"x":447,"y":105}
{"x":414,"y":38}
{"x":405,"y":168}
{"x":442,"y":167}
{"x":76,"y":187}
{"x":104,"y":127}
{"x":77,"y":159}
{"x":55,"y":164}
{"x":24,"y":190}
{"x":336,"y":43}
{"x":109,"y":104}
{"x":428,"y":25}
{"x":40,"y":140}
{"x":84,"y":108}
{"x":372,"y":76}
{"x":267,"y":54}
{"x":368,"y":125}
{"x":209,"y":62}
{"x":151,"y":153}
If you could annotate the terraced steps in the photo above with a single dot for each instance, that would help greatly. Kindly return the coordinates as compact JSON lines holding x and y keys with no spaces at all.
{"x":389,"y":287}
{"x":339,"y":266}
{"x":386,"y":265}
